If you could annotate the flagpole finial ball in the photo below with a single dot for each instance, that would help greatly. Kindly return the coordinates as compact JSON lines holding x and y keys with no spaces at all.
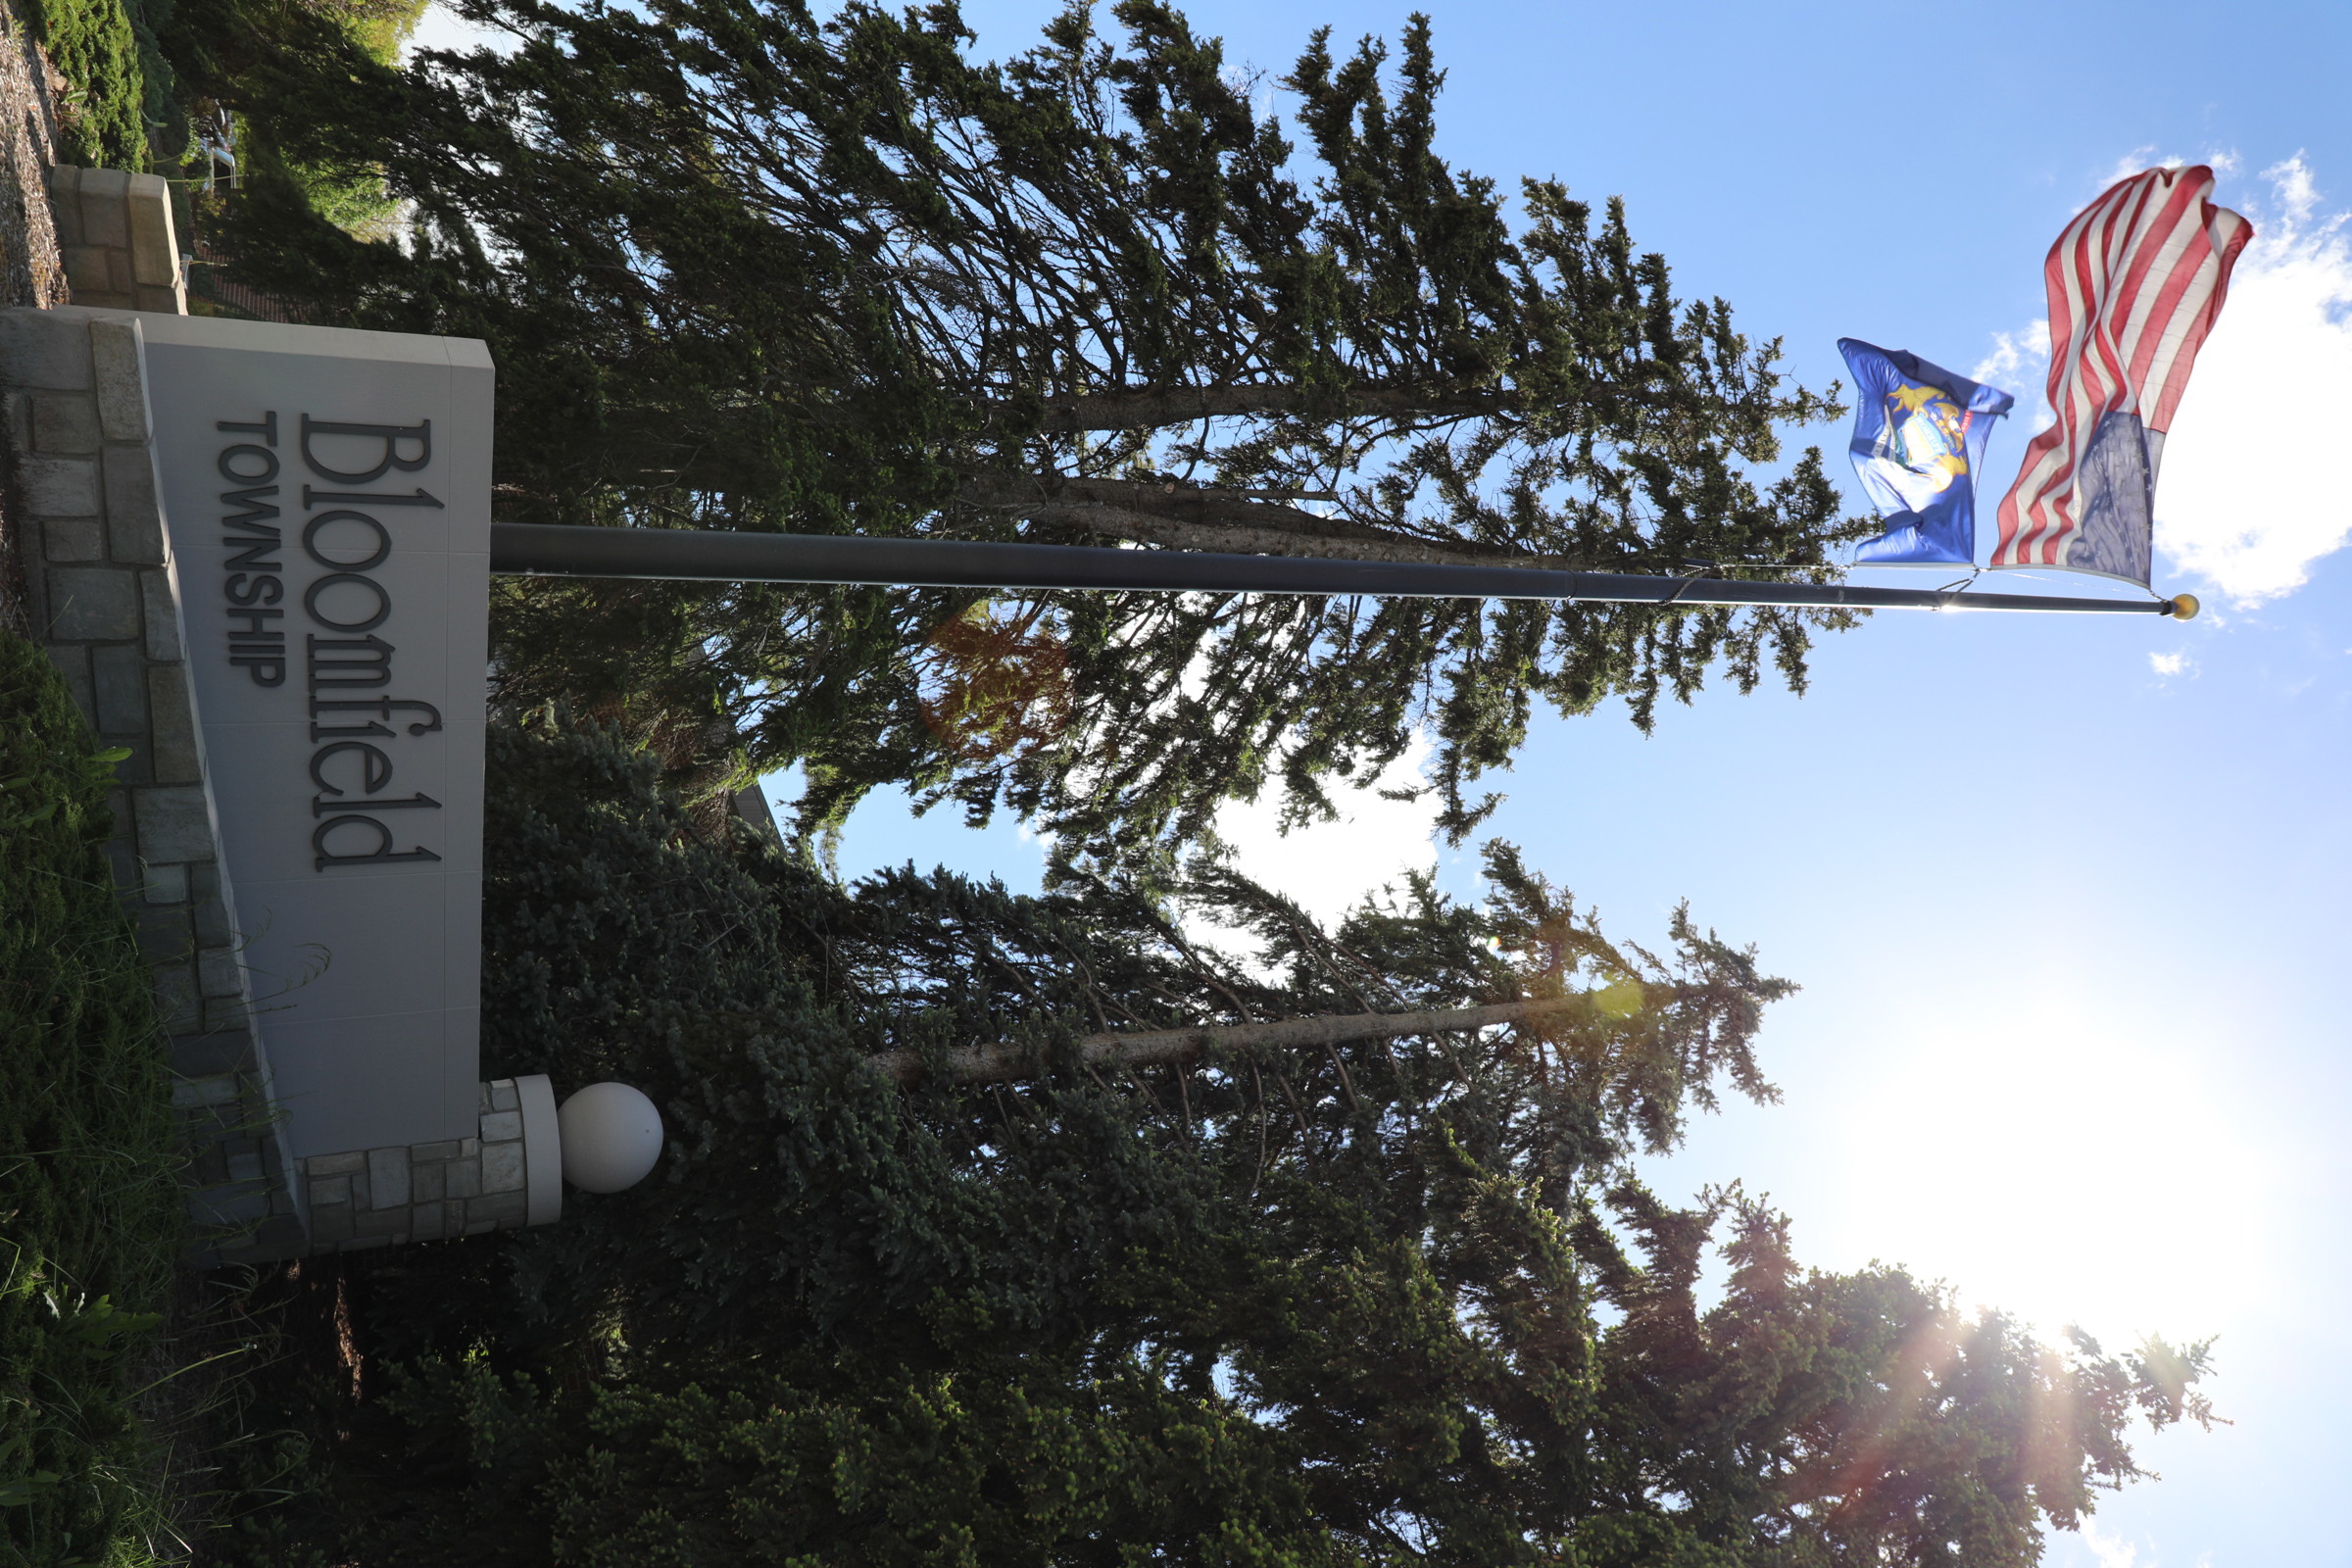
{"x":612,"y":1138}
{"x":2185,"y":607}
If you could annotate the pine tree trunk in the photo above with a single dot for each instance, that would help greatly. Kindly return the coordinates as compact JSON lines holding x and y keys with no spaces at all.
{"x":1189,"y":518}
{"x":1164,"y":1046}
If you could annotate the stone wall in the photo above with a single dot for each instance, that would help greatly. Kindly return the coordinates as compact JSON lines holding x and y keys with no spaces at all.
{"x":98,"y":575}
{"x":117,"y":239}
{"x":461,"y":1187}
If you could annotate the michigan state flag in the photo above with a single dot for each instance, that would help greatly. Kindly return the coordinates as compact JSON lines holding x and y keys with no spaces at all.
{"x":1919,"y":437}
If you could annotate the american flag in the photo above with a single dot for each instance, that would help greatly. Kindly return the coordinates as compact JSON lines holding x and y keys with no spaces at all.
{"x":2135,"y":283}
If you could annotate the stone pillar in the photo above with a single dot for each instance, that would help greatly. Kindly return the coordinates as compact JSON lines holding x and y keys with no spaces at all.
{"x":99,"y":575}
{"x":508,"y":1177}
{"x":116,"y":236}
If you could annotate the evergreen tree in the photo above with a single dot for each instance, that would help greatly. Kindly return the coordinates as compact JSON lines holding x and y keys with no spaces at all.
{"x":1391,"y":1300}
{"x":746,"y":268}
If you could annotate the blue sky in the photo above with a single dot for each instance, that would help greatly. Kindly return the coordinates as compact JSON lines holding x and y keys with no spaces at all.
{"x":2066,"y":896}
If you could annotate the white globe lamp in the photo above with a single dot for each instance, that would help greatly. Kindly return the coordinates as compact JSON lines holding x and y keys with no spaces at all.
{"x":612,"y":1138}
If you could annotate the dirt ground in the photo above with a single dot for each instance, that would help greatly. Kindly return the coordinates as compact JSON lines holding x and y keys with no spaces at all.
{"x":30,"y":270}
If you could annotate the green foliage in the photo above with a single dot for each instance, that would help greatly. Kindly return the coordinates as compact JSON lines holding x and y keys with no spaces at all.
{"x":123,"y":106}
{"x":743,"y":267}
{"x":90,"y":1217}
{"x":101,"y":47}
{"x":1399,"y":1301}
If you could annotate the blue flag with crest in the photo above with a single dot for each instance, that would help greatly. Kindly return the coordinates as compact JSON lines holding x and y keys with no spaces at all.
{"x":1918,"y":438}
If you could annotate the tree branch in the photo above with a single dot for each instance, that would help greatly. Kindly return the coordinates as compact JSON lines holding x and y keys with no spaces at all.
{"x":1150,"y":408}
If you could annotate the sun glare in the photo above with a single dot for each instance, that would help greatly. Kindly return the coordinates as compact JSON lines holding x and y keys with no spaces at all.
{"x":2057,"y":1168}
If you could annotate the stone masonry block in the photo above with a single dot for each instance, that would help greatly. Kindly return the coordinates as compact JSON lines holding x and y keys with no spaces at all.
{"x":104,"y":214}
{"x":166,"y":884}
{"x":134,"y":523}
{"x":211,"y":912}
{"x":424,"y":1222}
{"x":176,"y":1000}
{"x":123,"y":869}
{"x":211,"y":1124}
{"x":246,"y":1166}
{"x":154,"y":256}
{"x":209,"y":1054}
{"x":502,"y":1208}
{"x":120,"y":678}
{"x":482,"y":1099}
{"x":331,"y":1224}
{"x":423,"y":1154}
{"x":501,"y":1125}
{"x":161,"y":298}
{"x":64,"y":425}
{"x":58,"y":488}
{"x":217,"y":972}
{"x":74,"y":665}
{"x":504,"y":1096}
{"x":231,"y":1205}
{"x":93,"y":603}
{"x":136,"y":768}
{"x":164,"y":936}
{"x":172,"y":722}
{"x":159,"y":615}
{"x":207,"y":1165}
{"x":214,"y":1089}
{"x":42,"y":350}
{"x":118,"y":276}
{"x":87,"y":273}
{"x":173,"y":824}
{"x":428,"y":1183}
{"x":343,"y":1164}
{"x":385,"y":1222}
{"x":463,"y":1178}
{"x":325,"y":1190}
{"x":74,"y":538}
{"x":388,"y":1177}
{"x":502,"y":1167}
{"x":122,"y":392}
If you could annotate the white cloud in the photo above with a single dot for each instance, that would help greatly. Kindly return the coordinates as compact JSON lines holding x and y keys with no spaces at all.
{"x":2247,"y":498}
{"x":2138,"y":158}
{"x":2111,"y":1552}
{"x":2170,"y":665}
{"x":1328,"y":868}
{"x":2017,"y":359}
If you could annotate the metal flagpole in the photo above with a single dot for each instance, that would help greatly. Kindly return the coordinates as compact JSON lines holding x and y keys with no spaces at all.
{"x":559,"y":549}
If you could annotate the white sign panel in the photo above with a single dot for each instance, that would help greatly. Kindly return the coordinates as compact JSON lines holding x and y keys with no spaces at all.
{"x":327,"y":496}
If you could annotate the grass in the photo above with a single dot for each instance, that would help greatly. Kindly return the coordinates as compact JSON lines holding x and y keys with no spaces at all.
{"x":90,"y":1214}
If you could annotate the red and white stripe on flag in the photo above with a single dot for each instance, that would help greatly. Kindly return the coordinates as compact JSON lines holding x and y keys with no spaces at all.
{"x":2135,"y":284}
